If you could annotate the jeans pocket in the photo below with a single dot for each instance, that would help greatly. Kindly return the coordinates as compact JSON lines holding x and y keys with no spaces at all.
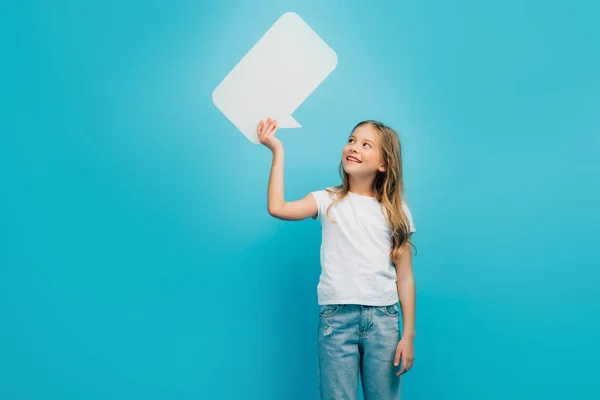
{"x":328,"y":310}
{"x":392,"y":310}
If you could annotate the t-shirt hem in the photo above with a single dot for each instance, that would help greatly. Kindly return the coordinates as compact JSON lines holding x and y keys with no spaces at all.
{"x":363,"y":302}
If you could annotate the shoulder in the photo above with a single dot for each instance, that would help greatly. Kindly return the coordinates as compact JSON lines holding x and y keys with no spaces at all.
{"x":333,"y":191}
{"x":330,"y":192}
{"x":408,"y":214}
{"x":324,"y":198}
{"x":406,"y":209}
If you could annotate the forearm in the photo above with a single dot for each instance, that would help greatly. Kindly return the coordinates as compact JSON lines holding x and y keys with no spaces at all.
{"x":406,"y":294}
{"x":275,"y":195}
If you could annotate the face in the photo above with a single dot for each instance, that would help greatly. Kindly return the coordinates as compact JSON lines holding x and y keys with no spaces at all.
{"x":362,"y":153}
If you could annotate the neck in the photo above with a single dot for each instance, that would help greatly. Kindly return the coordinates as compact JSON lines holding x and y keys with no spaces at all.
{"x":363,"y":187}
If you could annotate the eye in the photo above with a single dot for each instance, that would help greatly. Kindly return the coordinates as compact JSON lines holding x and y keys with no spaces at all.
{"x":350,"y":140}
{"x":366,"y":144}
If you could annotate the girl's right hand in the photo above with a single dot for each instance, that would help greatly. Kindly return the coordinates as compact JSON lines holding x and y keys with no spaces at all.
{"x":266,"y":134}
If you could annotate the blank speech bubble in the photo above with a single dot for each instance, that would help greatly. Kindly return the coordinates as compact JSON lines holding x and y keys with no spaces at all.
{"x":278,"y":73}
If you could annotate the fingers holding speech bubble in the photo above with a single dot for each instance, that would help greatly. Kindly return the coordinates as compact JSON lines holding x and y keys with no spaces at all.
{"x":278,"y":73}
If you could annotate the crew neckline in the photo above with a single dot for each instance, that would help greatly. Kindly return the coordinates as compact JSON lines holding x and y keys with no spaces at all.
{"x":361,"y":195}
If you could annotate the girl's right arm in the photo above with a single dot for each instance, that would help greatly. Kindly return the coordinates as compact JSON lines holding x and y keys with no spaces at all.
{"x":276,"y":204}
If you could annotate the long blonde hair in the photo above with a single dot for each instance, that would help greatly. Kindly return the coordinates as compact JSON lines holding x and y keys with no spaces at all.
{"x":388,"y":186}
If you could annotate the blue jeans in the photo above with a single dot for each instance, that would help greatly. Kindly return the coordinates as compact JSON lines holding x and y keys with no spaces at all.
{"x":353,"y":339}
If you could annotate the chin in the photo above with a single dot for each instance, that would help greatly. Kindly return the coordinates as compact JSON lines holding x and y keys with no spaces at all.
{"x":356,"y":172}
{"x":347,"y":166}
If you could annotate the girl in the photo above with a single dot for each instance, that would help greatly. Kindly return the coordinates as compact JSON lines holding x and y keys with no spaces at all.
{"x":366,"y":263}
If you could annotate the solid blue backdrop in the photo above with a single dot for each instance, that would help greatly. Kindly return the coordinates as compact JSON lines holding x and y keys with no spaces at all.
{"x":138,"y":259}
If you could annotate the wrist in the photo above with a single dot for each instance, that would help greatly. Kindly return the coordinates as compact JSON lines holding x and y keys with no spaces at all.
{"x":277,"y":147}
{"x":408,"y":334}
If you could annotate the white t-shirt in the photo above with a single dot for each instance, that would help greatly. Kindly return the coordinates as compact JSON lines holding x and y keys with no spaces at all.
{"x":356,"y":267}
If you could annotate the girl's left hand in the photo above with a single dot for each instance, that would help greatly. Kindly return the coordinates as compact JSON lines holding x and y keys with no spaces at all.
{"x":406,"y":350}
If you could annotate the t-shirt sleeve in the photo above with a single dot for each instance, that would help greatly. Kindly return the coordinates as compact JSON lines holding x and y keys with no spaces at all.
{"x":322,"y":199}
{"x":409,"y":216}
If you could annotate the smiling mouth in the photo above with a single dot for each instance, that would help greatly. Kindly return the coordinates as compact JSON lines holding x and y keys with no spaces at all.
{"x":353,"y":159}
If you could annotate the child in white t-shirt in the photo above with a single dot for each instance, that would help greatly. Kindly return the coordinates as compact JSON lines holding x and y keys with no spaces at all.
{"x":366,"y":263}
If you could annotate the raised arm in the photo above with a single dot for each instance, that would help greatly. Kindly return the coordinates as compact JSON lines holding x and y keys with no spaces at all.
{"x":276,"y":204}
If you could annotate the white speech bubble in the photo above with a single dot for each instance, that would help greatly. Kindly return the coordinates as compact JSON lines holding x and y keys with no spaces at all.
{"x":278,"y":73}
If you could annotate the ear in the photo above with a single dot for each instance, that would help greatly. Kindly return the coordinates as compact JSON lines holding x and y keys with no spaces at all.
{"x":381,"y":168}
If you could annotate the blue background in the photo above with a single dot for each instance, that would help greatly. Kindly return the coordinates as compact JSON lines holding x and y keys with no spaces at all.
{"x":137,"y":258}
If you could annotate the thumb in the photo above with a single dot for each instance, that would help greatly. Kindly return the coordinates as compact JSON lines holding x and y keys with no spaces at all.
{"x":398,"y":355}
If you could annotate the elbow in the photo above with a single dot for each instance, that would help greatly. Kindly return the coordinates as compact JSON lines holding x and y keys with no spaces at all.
{"x":274,"y":212}
{"x":404,"y":279}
